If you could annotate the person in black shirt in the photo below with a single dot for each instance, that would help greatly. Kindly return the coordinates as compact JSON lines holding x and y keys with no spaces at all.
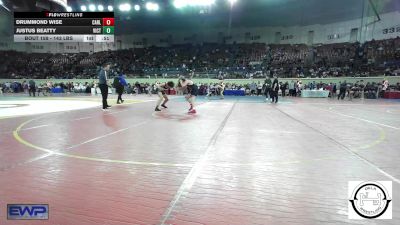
{"x":283,"y":88}
{"x":267,"y":89}
{"x":103,"y":74}
{"x":275,"y":90}
{"x":32,"y":88}
{"x":334,"y":90}
{"x":342,"y":90}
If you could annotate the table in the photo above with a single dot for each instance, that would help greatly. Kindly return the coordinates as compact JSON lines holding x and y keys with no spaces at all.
{"x":57,"y":90}
{"x":392,"y":94}
{"x":234,"y":92}
{"x":314,"y":94}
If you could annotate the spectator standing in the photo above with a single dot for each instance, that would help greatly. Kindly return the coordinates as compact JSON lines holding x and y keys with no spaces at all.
{"x":25,"y":86}
{"x":259,"y":88}
{"x":334,"y":90}
{"x":292,"y":91}
{"x":283,"y":88}
{"x":342,"y":90}
{"x":32,"y":88}
{"x":267,"y":88}
{"x":362,"y":88}
{"x":253,"y":88}
{"x":385,"y":86}
{"x":298,"y":88}
{"x":274,"y":91}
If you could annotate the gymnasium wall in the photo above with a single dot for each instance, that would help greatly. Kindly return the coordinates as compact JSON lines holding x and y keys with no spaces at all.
{"x":388,"y":27}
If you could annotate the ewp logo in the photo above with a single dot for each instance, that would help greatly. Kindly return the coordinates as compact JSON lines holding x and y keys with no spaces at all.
{"x":27,"y":212}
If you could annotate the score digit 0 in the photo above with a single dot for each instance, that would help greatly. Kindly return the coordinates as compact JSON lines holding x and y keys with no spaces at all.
{"x":108,"y":30}
{"x":108,"y":21}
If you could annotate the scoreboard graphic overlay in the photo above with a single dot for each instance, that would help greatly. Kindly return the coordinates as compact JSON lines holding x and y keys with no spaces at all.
{"x":64,"y":27}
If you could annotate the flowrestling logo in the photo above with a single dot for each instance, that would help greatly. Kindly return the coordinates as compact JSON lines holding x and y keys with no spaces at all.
{"x":27,"y":211}
{"x":370,"y":200}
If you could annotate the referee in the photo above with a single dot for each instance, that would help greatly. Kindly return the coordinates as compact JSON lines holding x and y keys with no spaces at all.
{"x":103,"y":84}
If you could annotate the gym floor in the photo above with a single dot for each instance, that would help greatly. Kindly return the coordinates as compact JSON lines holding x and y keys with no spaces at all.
{"x":237,"y":161}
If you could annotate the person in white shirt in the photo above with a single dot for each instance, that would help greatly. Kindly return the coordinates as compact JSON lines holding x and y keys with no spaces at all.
{"x":192,"y":91}
{"x":385,"y":85}
{"x":160,"y":89}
